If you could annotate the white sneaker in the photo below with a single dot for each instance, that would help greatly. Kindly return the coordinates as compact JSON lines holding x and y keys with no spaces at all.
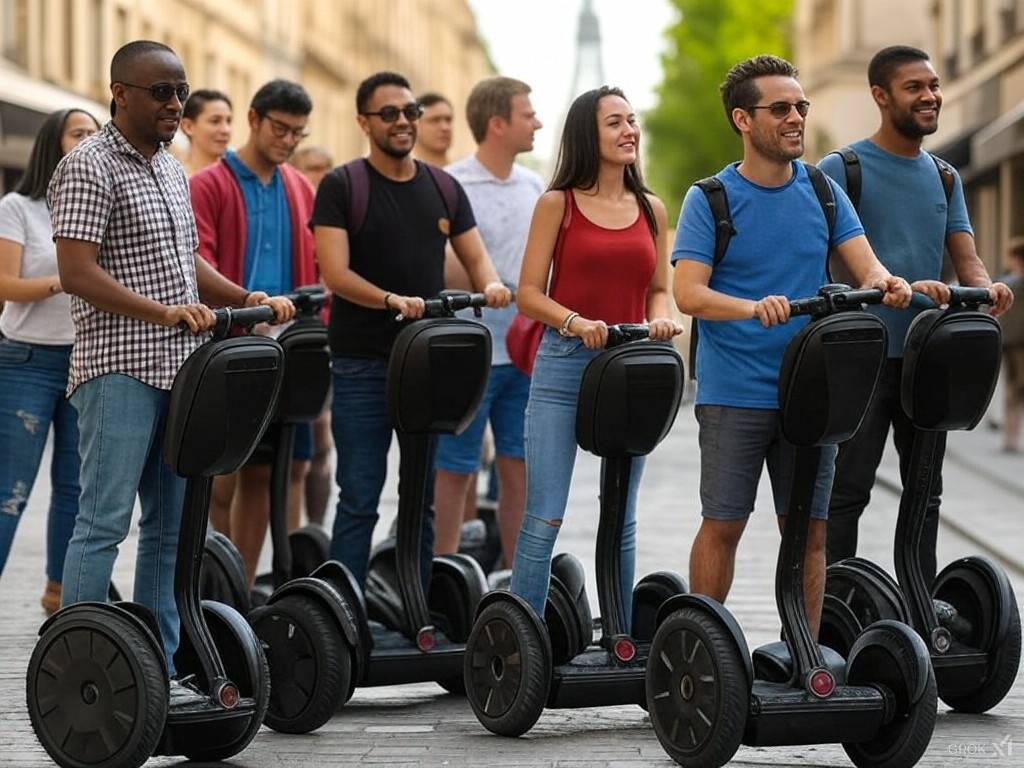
{"x":183,"y":694}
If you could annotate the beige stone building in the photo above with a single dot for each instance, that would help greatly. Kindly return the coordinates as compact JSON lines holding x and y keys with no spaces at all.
{"x":977,"y":48}
{"x":56,"y":53}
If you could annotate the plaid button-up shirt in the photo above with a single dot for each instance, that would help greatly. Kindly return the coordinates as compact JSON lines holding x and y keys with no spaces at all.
{"x":139,"y":213}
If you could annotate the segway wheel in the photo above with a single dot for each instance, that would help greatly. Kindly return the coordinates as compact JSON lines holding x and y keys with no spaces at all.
{"x":839,"y":626}
{"x":648,"y":595}
{"x":507,"y":669}
{"x":697,"y":689}
{"x":868,"y":591}
{"x":97,"y":691}
{"x":222,"y":575}
{"x":892,"y":657}
{"x":310,"y":662}
{"x":310,"y":546}
{"x":979,"y":592}
{"x":244,"y":664}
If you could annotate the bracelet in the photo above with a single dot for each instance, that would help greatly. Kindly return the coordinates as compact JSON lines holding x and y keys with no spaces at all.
{"x":245,"y":298}
{"x":387,"y":299}
{"x":564,"y":330}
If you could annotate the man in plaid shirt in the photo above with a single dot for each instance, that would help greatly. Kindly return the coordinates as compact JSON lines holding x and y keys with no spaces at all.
{"x":126,"y":250}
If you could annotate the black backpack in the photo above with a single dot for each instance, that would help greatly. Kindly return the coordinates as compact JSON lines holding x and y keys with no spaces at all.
{"x":851,"y":164}
{"x":358,"y":180}
{"x":714,"y":191}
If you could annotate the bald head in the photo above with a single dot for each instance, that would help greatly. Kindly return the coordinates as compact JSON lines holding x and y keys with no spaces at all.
{"x":128,"y":56}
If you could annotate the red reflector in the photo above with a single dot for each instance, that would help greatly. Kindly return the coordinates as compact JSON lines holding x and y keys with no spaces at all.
{"x":624,"y":649}
{"x":229,"y":696}
{"x":822,"y":683}
{"x":425,"y":639}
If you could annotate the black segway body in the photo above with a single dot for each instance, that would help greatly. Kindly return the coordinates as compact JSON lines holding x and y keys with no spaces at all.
{"x":97,"y":684}
{"x":880,"y":702}
{"x":516,"y":663}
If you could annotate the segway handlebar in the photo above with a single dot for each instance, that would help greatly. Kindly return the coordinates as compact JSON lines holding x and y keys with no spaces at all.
{"x":308,"y":300}
{"x":229,"y":318}
{"x":447,"y":303}
{"x":835,"y":297}
{"x":621,"y":333}
{"x":961,"y":296}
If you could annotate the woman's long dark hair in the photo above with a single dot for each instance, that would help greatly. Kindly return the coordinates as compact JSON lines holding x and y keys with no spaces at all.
{"x":45,"y":155}
{"x":579,"y":154}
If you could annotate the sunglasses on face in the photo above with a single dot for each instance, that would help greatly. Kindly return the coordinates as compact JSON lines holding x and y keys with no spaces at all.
{"x":780,"y":109}
{"x":280,"y":129}
{"x":389,"y":113}
{"x":163,"y":92}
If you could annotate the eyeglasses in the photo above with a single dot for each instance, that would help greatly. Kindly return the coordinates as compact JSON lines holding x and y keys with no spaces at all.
{"x":389,"y":113}
{"x":780,"y":109}
{"x":163,"y":92}
{"x":280,"y":129}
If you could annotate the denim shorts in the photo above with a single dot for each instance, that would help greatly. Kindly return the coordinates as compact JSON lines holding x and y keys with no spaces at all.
{"x":735,"y":445}
{"x":504,"y":405}
{"x":303,"y":450}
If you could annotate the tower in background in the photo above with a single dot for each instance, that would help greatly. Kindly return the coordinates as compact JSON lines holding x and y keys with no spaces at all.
{"x":589,"y":71}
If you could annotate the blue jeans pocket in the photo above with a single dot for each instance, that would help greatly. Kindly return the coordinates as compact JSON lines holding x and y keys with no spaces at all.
{"x":14,"y":352}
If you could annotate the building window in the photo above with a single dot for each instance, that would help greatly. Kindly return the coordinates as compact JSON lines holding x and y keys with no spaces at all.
{"x":14,"y":31}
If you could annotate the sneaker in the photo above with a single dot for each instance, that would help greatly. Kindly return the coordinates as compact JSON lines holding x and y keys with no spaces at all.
{"x":184,"y":694}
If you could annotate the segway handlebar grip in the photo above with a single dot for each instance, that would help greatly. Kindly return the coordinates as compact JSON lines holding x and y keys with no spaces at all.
{"x":229,"y":318}
{"x":448,"y":303}
{"x":622,"y":333}
{"x":308,"y":299}
{"x":835,"y":298}
{"x":968,"y":297}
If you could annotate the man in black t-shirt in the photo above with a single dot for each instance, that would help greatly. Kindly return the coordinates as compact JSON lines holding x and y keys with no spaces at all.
{"x":393,"y":260}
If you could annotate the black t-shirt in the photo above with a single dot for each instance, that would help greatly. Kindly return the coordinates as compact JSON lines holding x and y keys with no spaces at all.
{"x":400,"y":248}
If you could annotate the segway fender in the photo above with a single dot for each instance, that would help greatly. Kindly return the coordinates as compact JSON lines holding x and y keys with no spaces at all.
{"x":137,"y":614}
{"x":720,"y":612}
{"x":922,"y":660}
{"x":1001,"y":589}
{"x":326,"y":594}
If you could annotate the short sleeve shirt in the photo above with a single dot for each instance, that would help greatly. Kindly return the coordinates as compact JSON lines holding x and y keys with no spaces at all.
{"x":139,"y":213}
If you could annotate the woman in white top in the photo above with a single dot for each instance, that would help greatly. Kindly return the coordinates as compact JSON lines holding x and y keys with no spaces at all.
{"x":206,"y":120}
{"x":35,"y":349}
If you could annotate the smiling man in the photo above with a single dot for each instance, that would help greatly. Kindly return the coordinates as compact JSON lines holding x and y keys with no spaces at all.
{"x":912,"y":207}
{"x":382,"y":265}
{"x":126,"y":250}
{"x":252,"y":211}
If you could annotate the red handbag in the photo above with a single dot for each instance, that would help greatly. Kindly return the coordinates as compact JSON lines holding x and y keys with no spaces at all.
{"x":524,"y":333}
{"x":522,"y":340}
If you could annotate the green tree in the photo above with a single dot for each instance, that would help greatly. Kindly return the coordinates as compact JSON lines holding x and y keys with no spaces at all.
{"x":687,"y":134}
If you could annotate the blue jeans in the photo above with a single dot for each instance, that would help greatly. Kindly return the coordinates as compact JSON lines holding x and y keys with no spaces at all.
{"x":504,"y":405}
{"x":362,"y":436}
{"x":122,"y":425}
{"x":33,"y":378}
{"x":550,"y":457}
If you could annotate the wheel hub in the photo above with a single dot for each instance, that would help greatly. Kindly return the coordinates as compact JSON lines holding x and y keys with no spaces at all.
{"x":90,"y":693}
{"x":686,"y":687}
{"x":497,"y":667}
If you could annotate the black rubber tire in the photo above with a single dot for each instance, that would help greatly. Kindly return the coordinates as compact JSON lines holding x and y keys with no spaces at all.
{"x":867,"y":590}
{"x":648,"y":595}
{"x":245,"y":665}
{"x":310,"y":662}
{"x":96,"y":653}
{"x":507,"y":669}
{"x":697,"y":689}
{"x":222,"y":576}
{"x":892,"y":657}
{"x":310,"y":546}
{"x":839,"y":626}
{"x":968,"y":588}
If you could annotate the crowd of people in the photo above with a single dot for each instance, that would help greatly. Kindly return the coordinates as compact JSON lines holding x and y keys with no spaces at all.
{"x":111,"y":248}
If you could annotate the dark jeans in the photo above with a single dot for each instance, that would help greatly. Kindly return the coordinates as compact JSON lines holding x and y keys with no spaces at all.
{"x":858,"y":461}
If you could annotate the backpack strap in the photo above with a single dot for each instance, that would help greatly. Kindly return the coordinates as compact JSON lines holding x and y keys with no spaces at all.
{"x":718,"y":200}
{"x":851,"y":164}
{"x":946,"y":174}
{"x":826,"y":197}
{"x":359,"y":192}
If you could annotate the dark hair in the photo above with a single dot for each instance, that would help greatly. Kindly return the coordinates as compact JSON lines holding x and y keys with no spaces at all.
{"x":491,"y":97}
{"x":126,"y":57}
{"x":283,"y":95}
{"x":884,"y":64}
{"x":1015,"y":248}
{"x":197,"y":101}
{"x":579,"y":154}
{"x":430,"y":98}
{"x":739,"y":89}
{"x":366,"y":88}
{"x":46,"y":153}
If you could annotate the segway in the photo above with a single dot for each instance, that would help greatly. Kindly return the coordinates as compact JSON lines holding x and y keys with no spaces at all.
{"x":97,"y":682}
{"x":705,"y":693}
{"x":517,"y":663}
{"x":969,"y":617}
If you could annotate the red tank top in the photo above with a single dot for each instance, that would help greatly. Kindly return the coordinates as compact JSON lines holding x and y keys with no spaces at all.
{"x":603,"y":273}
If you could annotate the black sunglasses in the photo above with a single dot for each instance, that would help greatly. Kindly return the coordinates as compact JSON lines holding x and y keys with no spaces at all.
{"x":163,"y":91}
{"x":780,"y":109}
{"x":389,"y":114}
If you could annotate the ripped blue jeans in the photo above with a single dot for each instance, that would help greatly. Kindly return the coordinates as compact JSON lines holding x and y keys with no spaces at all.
{"x":32,"y":382}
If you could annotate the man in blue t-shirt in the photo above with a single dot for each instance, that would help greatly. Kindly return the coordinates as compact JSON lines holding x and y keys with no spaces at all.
{"x":903,"y":206}
{"x":778,"y":253}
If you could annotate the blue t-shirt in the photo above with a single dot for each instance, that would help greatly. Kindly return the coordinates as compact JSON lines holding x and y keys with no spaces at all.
{"x":906,"y":219}
{"x":268,"y":230}
{"x":780,"y":248}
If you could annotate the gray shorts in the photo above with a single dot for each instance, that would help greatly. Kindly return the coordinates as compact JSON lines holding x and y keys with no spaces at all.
{"x":735,"y":444}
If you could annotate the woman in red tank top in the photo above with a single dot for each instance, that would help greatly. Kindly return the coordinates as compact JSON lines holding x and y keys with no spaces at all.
{"x":600,"y":235}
